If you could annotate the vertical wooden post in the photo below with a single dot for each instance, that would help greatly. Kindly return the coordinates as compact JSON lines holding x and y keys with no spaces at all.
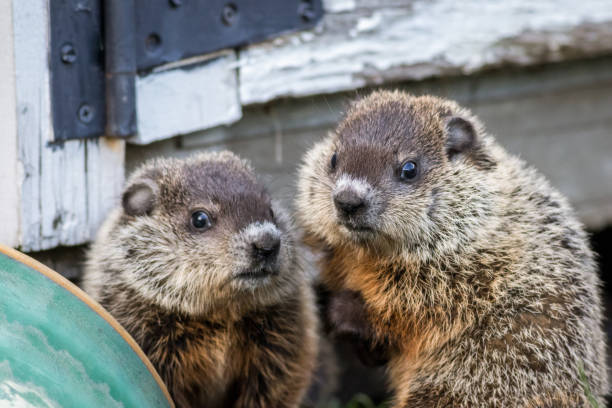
{"x":9,"y":174}
{"x":66,"y":189}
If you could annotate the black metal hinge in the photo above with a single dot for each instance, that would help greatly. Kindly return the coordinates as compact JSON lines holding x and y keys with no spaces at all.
{"x":77,"y":69}
{"x":99,"y":46}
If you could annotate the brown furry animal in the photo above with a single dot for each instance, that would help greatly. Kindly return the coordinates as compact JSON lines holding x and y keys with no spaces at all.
{"x":458,"y":258}
{"x":200,"y":267}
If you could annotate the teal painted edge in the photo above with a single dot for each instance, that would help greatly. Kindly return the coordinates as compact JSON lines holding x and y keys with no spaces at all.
{"x":55,"y":349}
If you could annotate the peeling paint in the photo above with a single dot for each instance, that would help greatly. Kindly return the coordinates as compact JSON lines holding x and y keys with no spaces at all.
{"x":338,"y":6}
{"x":424,"y":38}
{"x":184,"y":100}
{"x":66,"y":189}
{"x":366,"y":24}
{"x":10,"y":167}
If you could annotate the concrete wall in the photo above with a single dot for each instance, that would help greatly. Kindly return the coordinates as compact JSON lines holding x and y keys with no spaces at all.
{"x":558,"y":117}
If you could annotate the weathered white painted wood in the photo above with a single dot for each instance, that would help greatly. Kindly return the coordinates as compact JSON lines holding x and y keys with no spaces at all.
{"x":337,"y":6}
{"x":32,"y":85}
{"x":183,"y":100}
{"x":65,"y":189}
{"x":9,"y":185}
{"x":105,"y":164}
{"x":363,"y":42}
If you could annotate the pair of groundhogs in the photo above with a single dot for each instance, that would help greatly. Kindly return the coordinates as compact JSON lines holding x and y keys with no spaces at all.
{"x":442,"y":255}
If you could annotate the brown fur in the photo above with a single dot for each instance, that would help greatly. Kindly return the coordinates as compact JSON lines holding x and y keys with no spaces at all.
{"x":476,"y":272}
{"x":216,"y":338}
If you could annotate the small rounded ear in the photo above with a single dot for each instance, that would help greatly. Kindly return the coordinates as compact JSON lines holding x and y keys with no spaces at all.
{"x":461,"y":136}
{"x":139,"y":198}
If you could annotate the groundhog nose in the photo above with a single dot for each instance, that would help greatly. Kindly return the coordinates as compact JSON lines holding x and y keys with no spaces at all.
{"x":348,"y":202}
{"x":266,"y":247}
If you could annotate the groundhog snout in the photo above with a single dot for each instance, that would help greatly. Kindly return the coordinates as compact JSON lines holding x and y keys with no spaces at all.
{"x":265,"y":248}
{"x":261,"y":243}
{"x":349,"y":203}
{"x":260,"y":253}
{"x":354,"y":201}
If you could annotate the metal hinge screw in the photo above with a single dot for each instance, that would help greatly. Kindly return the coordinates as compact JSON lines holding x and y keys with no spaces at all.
{"x":68,"y":53}
{"x":229,"y":15}
{"x":86,"y":113}
{"x":306,"y":11}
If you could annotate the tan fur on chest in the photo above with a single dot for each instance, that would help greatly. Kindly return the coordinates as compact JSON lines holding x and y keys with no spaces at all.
{"x":205,"y":362}
{"x":394,"y":310}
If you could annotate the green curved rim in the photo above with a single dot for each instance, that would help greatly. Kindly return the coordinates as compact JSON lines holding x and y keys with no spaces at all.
{"x":41,"y":333}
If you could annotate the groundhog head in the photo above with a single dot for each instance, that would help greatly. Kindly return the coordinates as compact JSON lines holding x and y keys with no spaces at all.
{"x":400,"y":173}
{"x":203,"y":235}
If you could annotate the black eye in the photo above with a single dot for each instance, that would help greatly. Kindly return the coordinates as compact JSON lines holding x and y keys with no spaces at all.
{"x":409,"y":170}
{"x":334,"y":159}
{"x":200,"y":220}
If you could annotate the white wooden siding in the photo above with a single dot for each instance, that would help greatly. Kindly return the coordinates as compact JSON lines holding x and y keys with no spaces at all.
{"x":178,"y":101}
{"x":362,"y":42}
{"x":65,"y":190}
{"x":9,"y":176}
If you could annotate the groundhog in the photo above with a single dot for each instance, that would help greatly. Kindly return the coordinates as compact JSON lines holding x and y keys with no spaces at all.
{"x":458,"y":260}
{"x":201,"y":268}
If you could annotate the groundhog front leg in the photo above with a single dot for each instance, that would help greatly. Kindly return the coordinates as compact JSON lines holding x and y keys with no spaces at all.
{"x":347,"y":318}
{"x":275,"y":378}
{"x":281,"y":350}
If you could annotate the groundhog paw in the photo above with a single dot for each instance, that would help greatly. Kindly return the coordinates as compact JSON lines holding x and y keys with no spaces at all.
{"x":349,"y":321}
{"x":347,"y":316}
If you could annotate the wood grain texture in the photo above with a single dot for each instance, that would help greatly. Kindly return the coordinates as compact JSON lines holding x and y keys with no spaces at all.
{"x":67,"y":189}
{"x":364,"y":42}
{"x":183,"y":100}
{"x":9,"y":204}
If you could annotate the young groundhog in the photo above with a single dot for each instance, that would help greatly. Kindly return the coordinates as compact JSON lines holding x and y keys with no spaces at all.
{"x":200,"y":267}
{"x":460,"y":261}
